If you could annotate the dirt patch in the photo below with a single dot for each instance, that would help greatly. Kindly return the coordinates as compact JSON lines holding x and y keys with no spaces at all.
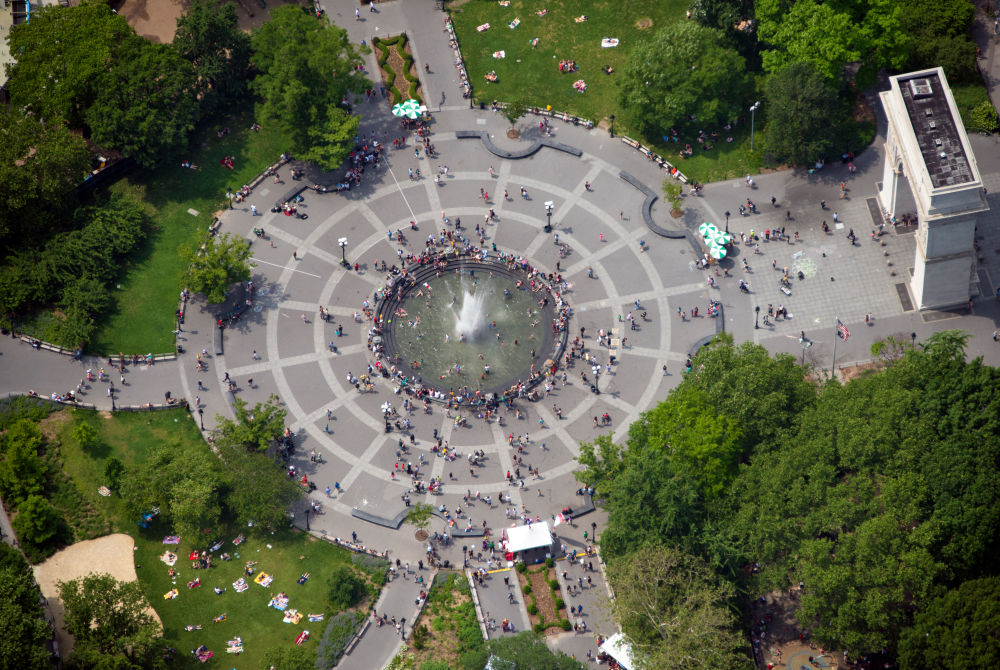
{"x":644,"y":24}
{"x":156,"y":20}
{"x":53,"y":424}
{"x":862,"y":111}
{"x":513,"y":133}
{"x":544,"y":601}
{"x":421,"y":535}
{"x":112,"y":554}
{"x":785,"y":638}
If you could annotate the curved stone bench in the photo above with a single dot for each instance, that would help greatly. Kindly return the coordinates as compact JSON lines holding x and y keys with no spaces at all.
{"x":530,"y":150}
{"x":647,"y":208}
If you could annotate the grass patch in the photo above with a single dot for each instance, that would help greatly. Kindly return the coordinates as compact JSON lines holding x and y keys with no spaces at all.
{"x":534,"y":72}
{"x":286,"y":554}
{"x":447,"y":631}
{"x":142,"y":318}
{"x":967,"y":98}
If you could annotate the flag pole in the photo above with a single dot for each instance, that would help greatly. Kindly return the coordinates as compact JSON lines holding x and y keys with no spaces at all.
{"x":836,"y":336}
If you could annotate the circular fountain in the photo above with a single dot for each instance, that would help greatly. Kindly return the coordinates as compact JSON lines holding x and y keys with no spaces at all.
{"x":463,"y":326}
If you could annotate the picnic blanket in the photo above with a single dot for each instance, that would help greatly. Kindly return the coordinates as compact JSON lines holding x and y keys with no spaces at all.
{"x":292,"y":616}
{"x":169,"y":558}
{"x":580,"y":19}
{"x":279,"y":602}
{"x":239,"y":539}
{"x":316,"y":617}
{"x":240,"y":585}
{"x":303,"y":636}
{"x":219,"y":619}
{"x":608,"y":42}
{"x":500,"y":54}
{"x":235,"y":650}
{"x":304,"y":578}
{"x":172,"y":539}
{"x":193,"y":556}
{"x":171,"y":594}
{"x":263,"y":579}
{"x":580,"y":85}
{"x":483,"y":28}
{"x":514,"y":24}
{"x":104,"y":491}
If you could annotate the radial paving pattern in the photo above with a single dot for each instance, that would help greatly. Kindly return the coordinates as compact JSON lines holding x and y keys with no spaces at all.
{"x":595,"y":246}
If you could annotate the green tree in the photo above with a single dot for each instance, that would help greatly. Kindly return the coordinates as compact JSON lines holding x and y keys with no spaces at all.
{"x":37,"y":520}
{"x":225,"y":261}
{"x":110,"y":618}
{"x":288,"y":658}
{"x":185,"y":483}
{"x":39,"y":166}
{"x":114,"y":470}
{"x":956,"y":630}
{"x":25,"y":631}
{"x":258,"y":489}
{"x":62,"y":53}
{"x":678,"y":458}
{"x":85,"y":435}
{"x":937,"y":33}
{"x":144,"y":105}
{"x":803,"y":114}
{"x":526,"y":650}
{"x":672,"y":189}
{"x":330,"y":142}
{"x":419,"y":516}
{"x":255,"y":428}
{"x":208,"y":36}
{"x":346,"y":589}
{"x":22,"y":471}
{"x":514,"y":110}
{"x":683,"y":71}
{"x":676,"y":612}
{"x":306,"y":66}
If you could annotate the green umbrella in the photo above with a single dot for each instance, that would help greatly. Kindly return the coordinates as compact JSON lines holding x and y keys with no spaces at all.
{"x":717,"y":252}
{"x":412,"y":108}
{"x":398,"y":110}
{"x":719,"y":238}
{"x":707,"y":228}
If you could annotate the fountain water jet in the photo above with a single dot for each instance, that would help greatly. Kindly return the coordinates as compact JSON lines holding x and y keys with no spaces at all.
{"x":471,"y":316}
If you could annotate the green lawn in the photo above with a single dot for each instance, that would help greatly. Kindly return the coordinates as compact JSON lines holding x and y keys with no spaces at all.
{"x":286,"y":554}
{"x":532,"y":73}
{"x":142,"y":318}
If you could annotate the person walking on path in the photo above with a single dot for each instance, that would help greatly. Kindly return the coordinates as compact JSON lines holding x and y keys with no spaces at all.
{"x":357,"y":14}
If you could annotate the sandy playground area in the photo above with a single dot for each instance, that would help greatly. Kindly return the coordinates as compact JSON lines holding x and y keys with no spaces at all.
{"x":156,"y":20}
{"x":113,"y":554}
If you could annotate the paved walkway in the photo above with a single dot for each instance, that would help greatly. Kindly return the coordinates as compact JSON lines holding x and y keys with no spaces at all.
{"x":601,"y":230}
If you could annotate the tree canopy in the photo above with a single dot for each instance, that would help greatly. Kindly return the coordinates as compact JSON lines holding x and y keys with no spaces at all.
{"x":145,"y":106}
{"x":62,"y":53}
{"x":803,"y":114}
{"x":225,"y":261}
{"x":25,"y":631}
{"x":40,"y":163}
{"x":208,"y":36}
{"x":684,"y":74}
{"x":108,"y":618}
{"x":878,"y":495}
{"x":307,"y":68}
{"x":676,"y":611}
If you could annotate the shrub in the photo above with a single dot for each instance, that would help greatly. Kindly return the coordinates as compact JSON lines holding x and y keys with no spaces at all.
{"x":346,"y":588}
{"x":560,"y":604}
{"x":532,"y":609}
{"x":564,"y":624}
{"x":521,"y":567}
{"x":539,"y":627}
{"x":419,"y":637}
{"x":527,"y":589}
{"x":984,"y":116}
{"x":549,"y":563}
{"x":337,"y":635}
{"x":554,"y":584}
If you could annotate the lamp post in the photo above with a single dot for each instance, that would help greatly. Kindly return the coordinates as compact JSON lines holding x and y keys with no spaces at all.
{"x":201,"y":417}
{"x":343,"y":251}
{"x":756,"y":317}
{"x":548,"y":212}
{"x":753,"y":108}
{"x":612,"y":132}
{"x":727,"y":221}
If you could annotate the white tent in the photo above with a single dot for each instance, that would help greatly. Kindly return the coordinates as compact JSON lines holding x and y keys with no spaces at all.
{"x":618,"y":648}
{"x":523,"y":538}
